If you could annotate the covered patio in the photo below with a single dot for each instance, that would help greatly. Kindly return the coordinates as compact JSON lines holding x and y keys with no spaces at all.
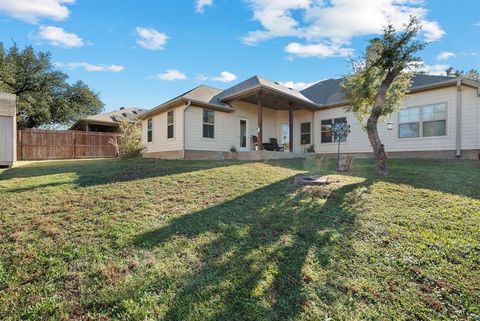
{"x":267,"y":94}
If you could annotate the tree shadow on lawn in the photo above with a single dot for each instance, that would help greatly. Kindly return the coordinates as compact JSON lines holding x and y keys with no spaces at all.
{"x":254,"y":268}
{"x":106,"y":171}
{"x":456,"y":177}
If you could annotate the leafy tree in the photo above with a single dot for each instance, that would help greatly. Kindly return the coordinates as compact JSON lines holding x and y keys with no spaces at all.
{"x":471,"y":74}
{"x":379,"y":81}
{"x":44,"y":97}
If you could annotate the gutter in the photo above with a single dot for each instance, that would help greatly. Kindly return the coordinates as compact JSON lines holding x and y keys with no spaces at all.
{"x":459,"y":118}
{"x":170,"y":103}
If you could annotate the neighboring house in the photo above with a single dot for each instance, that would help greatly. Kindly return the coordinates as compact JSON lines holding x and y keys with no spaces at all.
{"x":440,"y":117}
{"x":107,"y":122}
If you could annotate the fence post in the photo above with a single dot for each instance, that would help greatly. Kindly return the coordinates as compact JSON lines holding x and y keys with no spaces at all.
{"x":19,"y":145}
{"x":73,"y":144}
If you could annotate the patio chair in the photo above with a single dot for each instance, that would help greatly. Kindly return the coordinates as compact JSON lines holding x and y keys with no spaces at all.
{"x":266,"y":146}
{"x":275,"y":147}
{"x":255,"y":142}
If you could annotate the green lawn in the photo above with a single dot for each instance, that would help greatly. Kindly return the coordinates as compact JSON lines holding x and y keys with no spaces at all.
{"x":202,"y":240}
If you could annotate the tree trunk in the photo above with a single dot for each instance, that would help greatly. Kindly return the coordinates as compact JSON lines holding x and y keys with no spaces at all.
{"x":372,"y":131}
{"x":378,"y":148}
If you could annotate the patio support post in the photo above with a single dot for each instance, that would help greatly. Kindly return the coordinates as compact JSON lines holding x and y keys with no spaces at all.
{"x":290,"y":127}
{"x":260,"y":121}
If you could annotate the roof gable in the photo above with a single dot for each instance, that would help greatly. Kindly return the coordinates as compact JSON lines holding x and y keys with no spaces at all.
{"x":257,"y":82}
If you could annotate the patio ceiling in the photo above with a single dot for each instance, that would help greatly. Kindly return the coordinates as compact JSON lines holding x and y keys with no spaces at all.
{"x":272,"y":100}
{"x":275,"y":101}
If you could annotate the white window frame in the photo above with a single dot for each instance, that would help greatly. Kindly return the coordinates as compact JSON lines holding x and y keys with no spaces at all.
{"x":171,"y":124}
{"x":210,"y":124}
{"x":421,"y":121}
{"x":306,"y":133}
{"x":333,"y":136}
{"x":150,"y":130}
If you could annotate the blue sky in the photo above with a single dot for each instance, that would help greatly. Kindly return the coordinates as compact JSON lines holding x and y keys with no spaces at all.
{"x":141,"y":53}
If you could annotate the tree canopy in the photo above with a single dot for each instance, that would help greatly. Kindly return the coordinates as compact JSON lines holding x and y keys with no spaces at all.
{"x":380,"y":80}
{"x":473,"y":74}
{"x":44,"y":97}
{"x":384,"y":68}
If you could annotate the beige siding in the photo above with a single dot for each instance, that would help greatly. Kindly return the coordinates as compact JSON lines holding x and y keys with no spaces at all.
{"x":299,"y":116}
{"x":358,"y":140}
{"x":160,"y":143}
{"x":227,"y":127}
{"x":470,"y":121}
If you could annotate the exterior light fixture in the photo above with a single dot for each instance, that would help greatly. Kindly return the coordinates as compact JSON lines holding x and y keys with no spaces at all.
{"x":390,"y":125}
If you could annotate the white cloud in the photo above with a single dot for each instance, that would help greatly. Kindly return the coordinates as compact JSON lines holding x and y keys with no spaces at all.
{"x":224,"y":77}
{"x":445,"y":55}
{"x":432,"y":31}
{"x":296,"y":85}
{"x":150,"y":38}
{"x":34,"y":10}
{"x":477,"y":24}
{"x":58,"y":37}
{"x":201,"y":4}
{"x":90,"y":67}
{"x":317,"y":50}
{"x":335,"y":21}
{"x":435,"y":69}
{"x":170,"y":75}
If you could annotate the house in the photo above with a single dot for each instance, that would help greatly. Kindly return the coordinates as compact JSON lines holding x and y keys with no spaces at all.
{"x":439,"y":118}
{"x":107,"y":122}
{"x":8,"y":132}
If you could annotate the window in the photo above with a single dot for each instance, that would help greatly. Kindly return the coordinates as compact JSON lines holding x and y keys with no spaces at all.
{"x":170,"y":124}
{"x":208,"y":123}
{"x":423,"y":121}
{"x":327,"y":135}
{"x":149,"y":130}
{"x":435,"y":120}
{"x":305,"y":133}
{"x":409,"y":122}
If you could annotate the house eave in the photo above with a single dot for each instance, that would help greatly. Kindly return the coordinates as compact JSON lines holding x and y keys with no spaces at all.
{"x":172,"y":103}
{"x":310,"y":105}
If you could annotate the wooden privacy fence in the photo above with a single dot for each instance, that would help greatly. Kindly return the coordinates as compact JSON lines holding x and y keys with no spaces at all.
{"x":37,"y":144}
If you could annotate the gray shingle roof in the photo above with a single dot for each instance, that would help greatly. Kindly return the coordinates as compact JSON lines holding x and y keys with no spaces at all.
{"x":326,"y":92}
{"x":116,"y":116}
{"x":329,"y":92}
{"x":202,"y":94}
{"x":258,"y":81}
{"x":205,"y":94}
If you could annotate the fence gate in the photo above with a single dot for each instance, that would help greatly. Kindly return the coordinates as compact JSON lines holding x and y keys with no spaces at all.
{"x":37,"y":144}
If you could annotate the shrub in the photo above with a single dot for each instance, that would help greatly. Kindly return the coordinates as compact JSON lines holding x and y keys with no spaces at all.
{"x":130,"y":139}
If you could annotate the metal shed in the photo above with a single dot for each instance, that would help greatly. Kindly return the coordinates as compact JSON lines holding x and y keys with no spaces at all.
{"x":8,"y":129}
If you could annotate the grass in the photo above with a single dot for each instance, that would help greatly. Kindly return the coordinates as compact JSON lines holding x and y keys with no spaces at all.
{"x":200,"y":240}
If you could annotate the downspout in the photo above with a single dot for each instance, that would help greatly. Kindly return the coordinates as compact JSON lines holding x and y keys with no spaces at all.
{"x":313,"y":131}
{"x":189,"y":103}
{"x":459,"y":118}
